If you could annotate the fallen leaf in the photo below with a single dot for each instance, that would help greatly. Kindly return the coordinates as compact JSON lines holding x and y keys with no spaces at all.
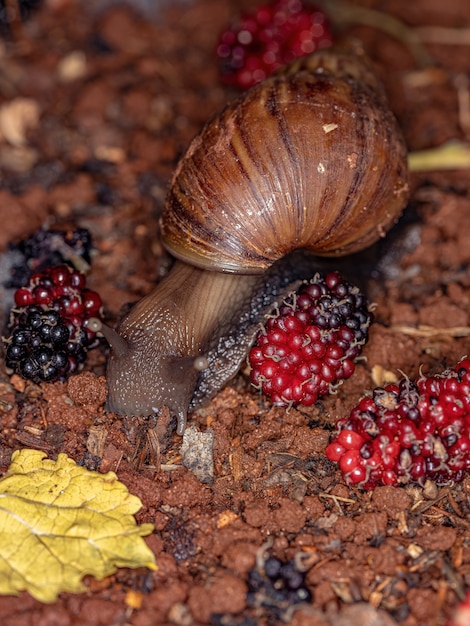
{"x":60,"y":522}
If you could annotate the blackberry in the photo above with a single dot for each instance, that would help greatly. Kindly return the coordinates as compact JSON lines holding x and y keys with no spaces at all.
{"x":47,"y":336}
{"x":271,"y":35}
{"x":37,"y":346}
{"x":277,"y":586}
{"x":408,"y":432}
{"x":310,"y":344}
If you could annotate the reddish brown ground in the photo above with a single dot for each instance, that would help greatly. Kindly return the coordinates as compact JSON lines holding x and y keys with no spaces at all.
{"x":391,"y":556}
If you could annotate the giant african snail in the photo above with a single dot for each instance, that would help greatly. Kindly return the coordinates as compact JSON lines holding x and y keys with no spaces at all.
{"x":312,"y":158}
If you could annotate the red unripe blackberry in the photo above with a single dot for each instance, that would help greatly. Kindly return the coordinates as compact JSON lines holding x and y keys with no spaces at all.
{"x":309,"y":345}
{"x":268,"y":37}
{"x":23,"y":297}
{"x":408,"y":432}
{"x":47,"y":335}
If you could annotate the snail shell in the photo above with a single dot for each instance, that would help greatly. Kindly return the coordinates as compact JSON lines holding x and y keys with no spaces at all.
{"x":310,"y":158}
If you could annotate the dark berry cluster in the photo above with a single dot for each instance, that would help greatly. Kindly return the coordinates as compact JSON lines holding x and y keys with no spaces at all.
{"x":47,"y":336}
{"x":277,"y":586}
{"x":408,"y":432}
{"x":310,"y":345}
{"x":268,"y":37}
{"x":46,"y":248}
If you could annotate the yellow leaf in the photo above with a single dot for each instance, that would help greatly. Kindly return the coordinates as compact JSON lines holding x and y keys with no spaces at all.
{"x":60,"y":522}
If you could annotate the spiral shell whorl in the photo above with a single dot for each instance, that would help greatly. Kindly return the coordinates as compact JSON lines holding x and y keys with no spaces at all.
{"x":310,"y":158}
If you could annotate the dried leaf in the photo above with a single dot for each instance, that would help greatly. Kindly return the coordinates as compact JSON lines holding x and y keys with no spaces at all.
{"x":60,"y":522}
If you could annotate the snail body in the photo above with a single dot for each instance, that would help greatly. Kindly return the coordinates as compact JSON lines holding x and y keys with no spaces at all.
{"x":312,"y":158}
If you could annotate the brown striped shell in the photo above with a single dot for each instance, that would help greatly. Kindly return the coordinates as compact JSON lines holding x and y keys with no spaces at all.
{"x":310,"y":158}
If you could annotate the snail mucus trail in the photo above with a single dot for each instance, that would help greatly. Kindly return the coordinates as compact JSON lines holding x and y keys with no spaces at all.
{"x":310,"y":159}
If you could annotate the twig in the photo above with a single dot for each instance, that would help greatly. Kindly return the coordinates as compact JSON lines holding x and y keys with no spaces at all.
{"x":453,"y":155}
{"x":341,"y":13}
{"x":431,"y":331}
{"x":443,"y":35}
{"x":463,"y":99}
{"x":337,"y":500}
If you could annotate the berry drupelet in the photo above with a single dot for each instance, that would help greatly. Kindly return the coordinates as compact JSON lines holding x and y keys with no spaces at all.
{"x":310,"y":344}
{"x":47,"y":337}
{"x":408,"y":432}
{"x":268,"y":37}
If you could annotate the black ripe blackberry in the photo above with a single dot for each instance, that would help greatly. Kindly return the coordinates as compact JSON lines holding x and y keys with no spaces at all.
{"x":276,"y":587}
{"x":39,"y":346}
